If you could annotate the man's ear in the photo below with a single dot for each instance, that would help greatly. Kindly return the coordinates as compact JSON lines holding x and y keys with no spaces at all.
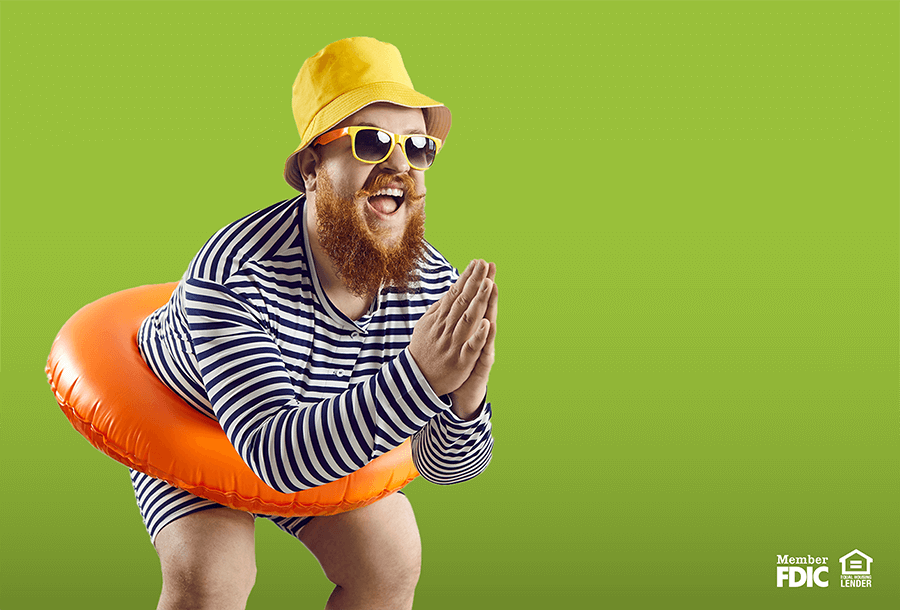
{"x":308,"y":163}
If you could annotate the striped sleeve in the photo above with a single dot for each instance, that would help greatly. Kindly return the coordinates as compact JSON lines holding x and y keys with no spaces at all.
{"x":450,"y":450}
{"x":289,"y":444}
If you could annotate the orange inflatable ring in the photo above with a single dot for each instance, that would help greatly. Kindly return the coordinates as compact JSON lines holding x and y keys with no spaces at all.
{"x":116,"y":402}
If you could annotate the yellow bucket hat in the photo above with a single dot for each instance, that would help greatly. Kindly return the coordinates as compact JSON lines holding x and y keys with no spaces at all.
{"x":346,"y":76}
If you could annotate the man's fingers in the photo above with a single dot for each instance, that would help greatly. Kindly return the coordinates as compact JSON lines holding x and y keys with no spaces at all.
{"x":474,"y":313}
{"x":469,"y":292}
{"x":455,"y":336}
{"x":492,"y":333}
{"x":486,"y":359}
{"x":487,"y":352}
{"x":457,"y":288}
{"x":472,"y":348}
{"x":491,"y":312}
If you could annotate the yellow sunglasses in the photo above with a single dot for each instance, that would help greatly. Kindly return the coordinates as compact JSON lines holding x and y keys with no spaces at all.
{"x":374,"y":145}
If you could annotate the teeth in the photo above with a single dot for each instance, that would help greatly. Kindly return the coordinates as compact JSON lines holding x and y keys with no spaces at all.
{"x":389,"y":193}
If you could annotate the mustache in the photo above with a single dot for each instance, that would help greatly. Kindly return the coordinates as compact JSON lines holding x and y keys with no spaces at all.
{"x":385,"y":180}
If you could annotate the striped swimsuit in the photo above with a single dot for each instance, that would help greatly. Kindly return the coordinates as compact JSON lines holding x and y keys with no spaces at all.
{"x":305,"y":394}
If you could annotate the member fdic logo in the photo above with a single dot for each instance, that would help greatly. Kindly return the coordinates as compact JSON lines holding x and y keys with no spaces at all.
{"x":812,"y":571}
{"x":802,"y":571}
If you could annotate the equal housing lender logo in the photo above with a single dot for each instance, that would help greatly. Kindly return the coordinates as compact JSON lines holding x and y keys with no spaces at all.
{"x":856,"y":569}
{"x":812,"y":571}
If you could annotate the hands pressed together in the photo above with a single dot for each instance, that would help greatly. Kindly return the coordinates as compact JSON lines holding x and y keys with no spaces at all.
{"x":453,"y":343}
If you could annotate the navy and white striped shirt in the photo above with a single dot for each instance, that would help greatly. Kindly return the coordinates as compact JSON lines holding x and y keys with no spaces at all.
{"x":305,"y":394}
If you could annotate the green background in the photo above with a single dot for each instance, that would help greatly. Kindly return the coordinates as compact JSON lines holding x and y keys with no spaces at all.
{"x":694,"y":212}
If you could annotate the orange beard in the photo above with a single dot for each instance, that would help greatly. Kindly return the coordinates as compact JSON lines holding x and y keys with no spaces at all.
{"x":362,"y":259}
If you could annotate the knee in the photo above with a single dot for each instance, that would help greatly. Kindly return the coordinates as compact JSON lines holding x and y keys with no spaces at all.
{"x":372,"y":553}
{"x":194,"y":581}
{"x":400,"y":572}
{"x":391,"y":573}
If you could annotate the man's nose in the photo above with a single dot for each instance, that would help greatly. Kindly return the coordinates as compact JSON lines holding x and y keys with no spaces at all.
{"x":396,"y":161}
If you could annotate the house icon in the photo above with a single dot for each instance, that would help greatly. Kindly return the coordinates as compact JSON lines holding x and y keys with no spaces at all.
{"x":856,"y":562}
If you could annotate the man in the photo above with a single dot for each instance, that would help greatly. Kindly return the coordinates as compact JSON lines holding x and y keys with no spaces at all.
{"x":321,"y":332}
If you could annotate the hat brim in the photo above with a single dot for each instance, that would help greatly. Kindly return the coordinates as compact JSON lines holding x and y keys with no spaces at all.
{"x":437,"y":117}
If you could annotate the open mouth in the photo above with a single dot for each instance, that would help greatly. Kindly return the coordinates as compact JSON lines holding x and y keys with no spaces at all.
{"x":386,"y":201}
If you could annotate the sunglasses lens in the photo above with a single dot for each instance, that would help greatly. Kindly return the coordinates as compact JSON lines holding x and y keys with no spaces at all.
{"x":372,"y":144}
{"x":420,"y":151}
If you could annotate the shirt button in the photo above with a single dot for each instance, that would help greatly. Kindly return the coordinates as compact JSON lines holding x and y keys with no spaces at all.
{"x":339,"y":373}
{"x":354,"y":335}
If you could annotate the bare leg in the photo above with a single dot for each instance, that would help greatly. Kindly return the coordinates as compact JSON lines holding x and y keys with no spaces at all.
{"x":373,"y":554}
{"x":208,"y":560}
